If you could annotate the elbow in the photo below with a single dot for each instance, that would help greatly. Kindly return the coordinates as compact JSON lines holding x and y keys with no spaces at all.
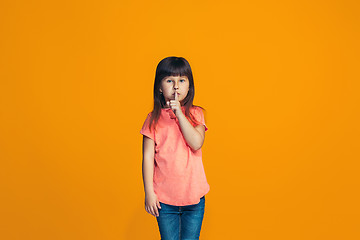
{"x":197,"y":146}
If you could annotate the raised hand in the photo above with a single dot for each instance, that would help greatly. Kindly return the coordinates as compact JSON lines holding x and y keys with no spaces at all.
{"x":175,"y":104}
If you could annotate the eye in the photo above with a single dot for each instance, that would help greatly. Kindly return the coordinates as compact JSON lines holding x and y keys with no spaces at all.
{"x":169,"y":80}
{"x":182,"y":80}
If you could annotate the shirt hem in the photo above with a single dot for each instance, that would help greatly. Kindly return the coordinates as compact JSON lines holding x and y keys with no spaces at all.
{"x":184,"y":203}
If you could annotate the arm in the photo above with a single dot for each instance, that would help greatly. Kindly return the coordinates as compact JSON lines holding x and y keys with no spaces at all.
{"x":148,"y":164}
{"x":194,"y":136}
{"x":151,"y":201}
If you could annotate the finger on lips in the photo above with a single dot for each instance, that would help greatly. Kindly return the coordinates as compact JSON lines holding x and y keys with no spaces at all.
{"x":176,"y":96}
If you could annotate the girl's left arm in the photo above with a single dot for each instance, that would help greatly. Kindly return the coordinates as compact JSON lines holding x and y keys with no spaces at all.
{"x":194,"y":136}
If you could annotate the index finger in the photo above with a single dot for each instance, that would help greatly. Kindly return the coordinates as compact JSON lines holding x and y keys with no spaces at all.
{"x":176,"y":96}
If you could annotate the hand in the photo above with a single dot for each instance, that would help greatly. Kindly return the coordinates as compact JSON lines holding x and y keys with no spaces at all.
{"x":175,"y":105}
{"x":152,"y":204}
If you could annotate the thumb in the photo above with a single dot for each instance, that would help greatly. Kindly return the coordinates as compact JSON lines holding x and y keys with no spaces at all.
{"x":168,"y":103}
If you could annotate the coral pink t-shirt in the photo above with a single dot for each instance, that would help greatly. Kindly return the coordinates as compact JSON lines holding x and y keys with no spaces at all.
{"x":179,"y":176}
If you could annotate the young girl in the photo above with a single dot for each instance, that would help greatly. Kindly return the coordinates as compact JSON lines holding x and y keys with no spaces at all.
{"x":173,"y":173}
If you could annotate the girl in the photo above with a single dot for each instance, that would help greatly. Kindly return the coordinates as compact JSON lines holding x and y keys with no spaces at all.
{"x":173,"y":173}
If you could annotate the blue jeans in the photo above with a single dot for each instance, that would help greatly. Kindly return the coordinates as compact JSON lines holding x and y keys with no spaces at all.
{"x":181,"y":222}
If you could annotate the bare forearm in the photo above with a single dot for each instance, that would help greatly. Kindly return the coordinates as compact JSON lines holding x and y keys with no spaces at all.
{"x":148,"y":174}
{"x":191,"y":135}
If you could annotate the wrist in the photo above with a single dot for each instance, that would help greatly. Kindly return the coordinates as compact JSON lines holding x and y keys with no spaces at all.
{"x":149,"y":191}
{"x":179,"y":113}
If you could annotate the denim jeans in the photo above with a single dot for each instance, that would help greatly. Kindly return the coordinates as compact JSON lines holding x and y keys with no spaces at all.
{"x":181,"y":222}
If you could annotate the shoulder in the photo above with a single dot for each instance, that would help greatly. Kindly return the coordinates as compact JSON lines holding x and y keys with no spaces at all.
{"x":149,"y":114}
{"x":148,"y":118}
{"x":196,"y":110}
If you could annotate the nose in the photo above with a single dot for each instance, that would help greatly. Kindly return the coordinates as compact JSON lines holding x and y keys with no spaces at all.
{"x":176,"y":85}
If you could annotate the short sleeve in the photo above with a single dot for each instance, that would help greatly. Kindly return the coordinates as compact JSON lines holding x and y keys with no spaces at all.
{"x":199,"y":117}
{"x":145,"y":128}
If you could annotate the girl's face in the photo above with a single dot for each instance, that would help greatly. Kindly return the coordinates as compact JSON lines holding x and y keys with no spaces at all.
{"x":171,"y":83}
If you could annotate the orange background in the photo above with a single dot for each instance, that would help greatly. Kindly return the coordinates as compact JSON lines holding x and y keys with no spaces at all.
{"x":279,"y":81}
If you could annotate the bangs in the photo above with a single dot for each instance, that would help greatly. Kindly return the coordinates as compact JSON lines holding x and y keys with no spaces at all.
{"x":176,"y":67}
{"x":177,"y":70}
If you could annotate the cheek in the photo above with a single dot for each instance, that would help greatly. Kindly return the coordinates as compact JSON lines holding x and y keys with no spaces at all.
{"x":165,"y":88}
{"x":187,"y":86}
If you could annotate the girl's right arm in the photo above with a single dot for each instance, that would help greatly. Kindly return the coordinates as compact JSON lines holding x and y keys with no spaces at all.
{"x":151,"y":202}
